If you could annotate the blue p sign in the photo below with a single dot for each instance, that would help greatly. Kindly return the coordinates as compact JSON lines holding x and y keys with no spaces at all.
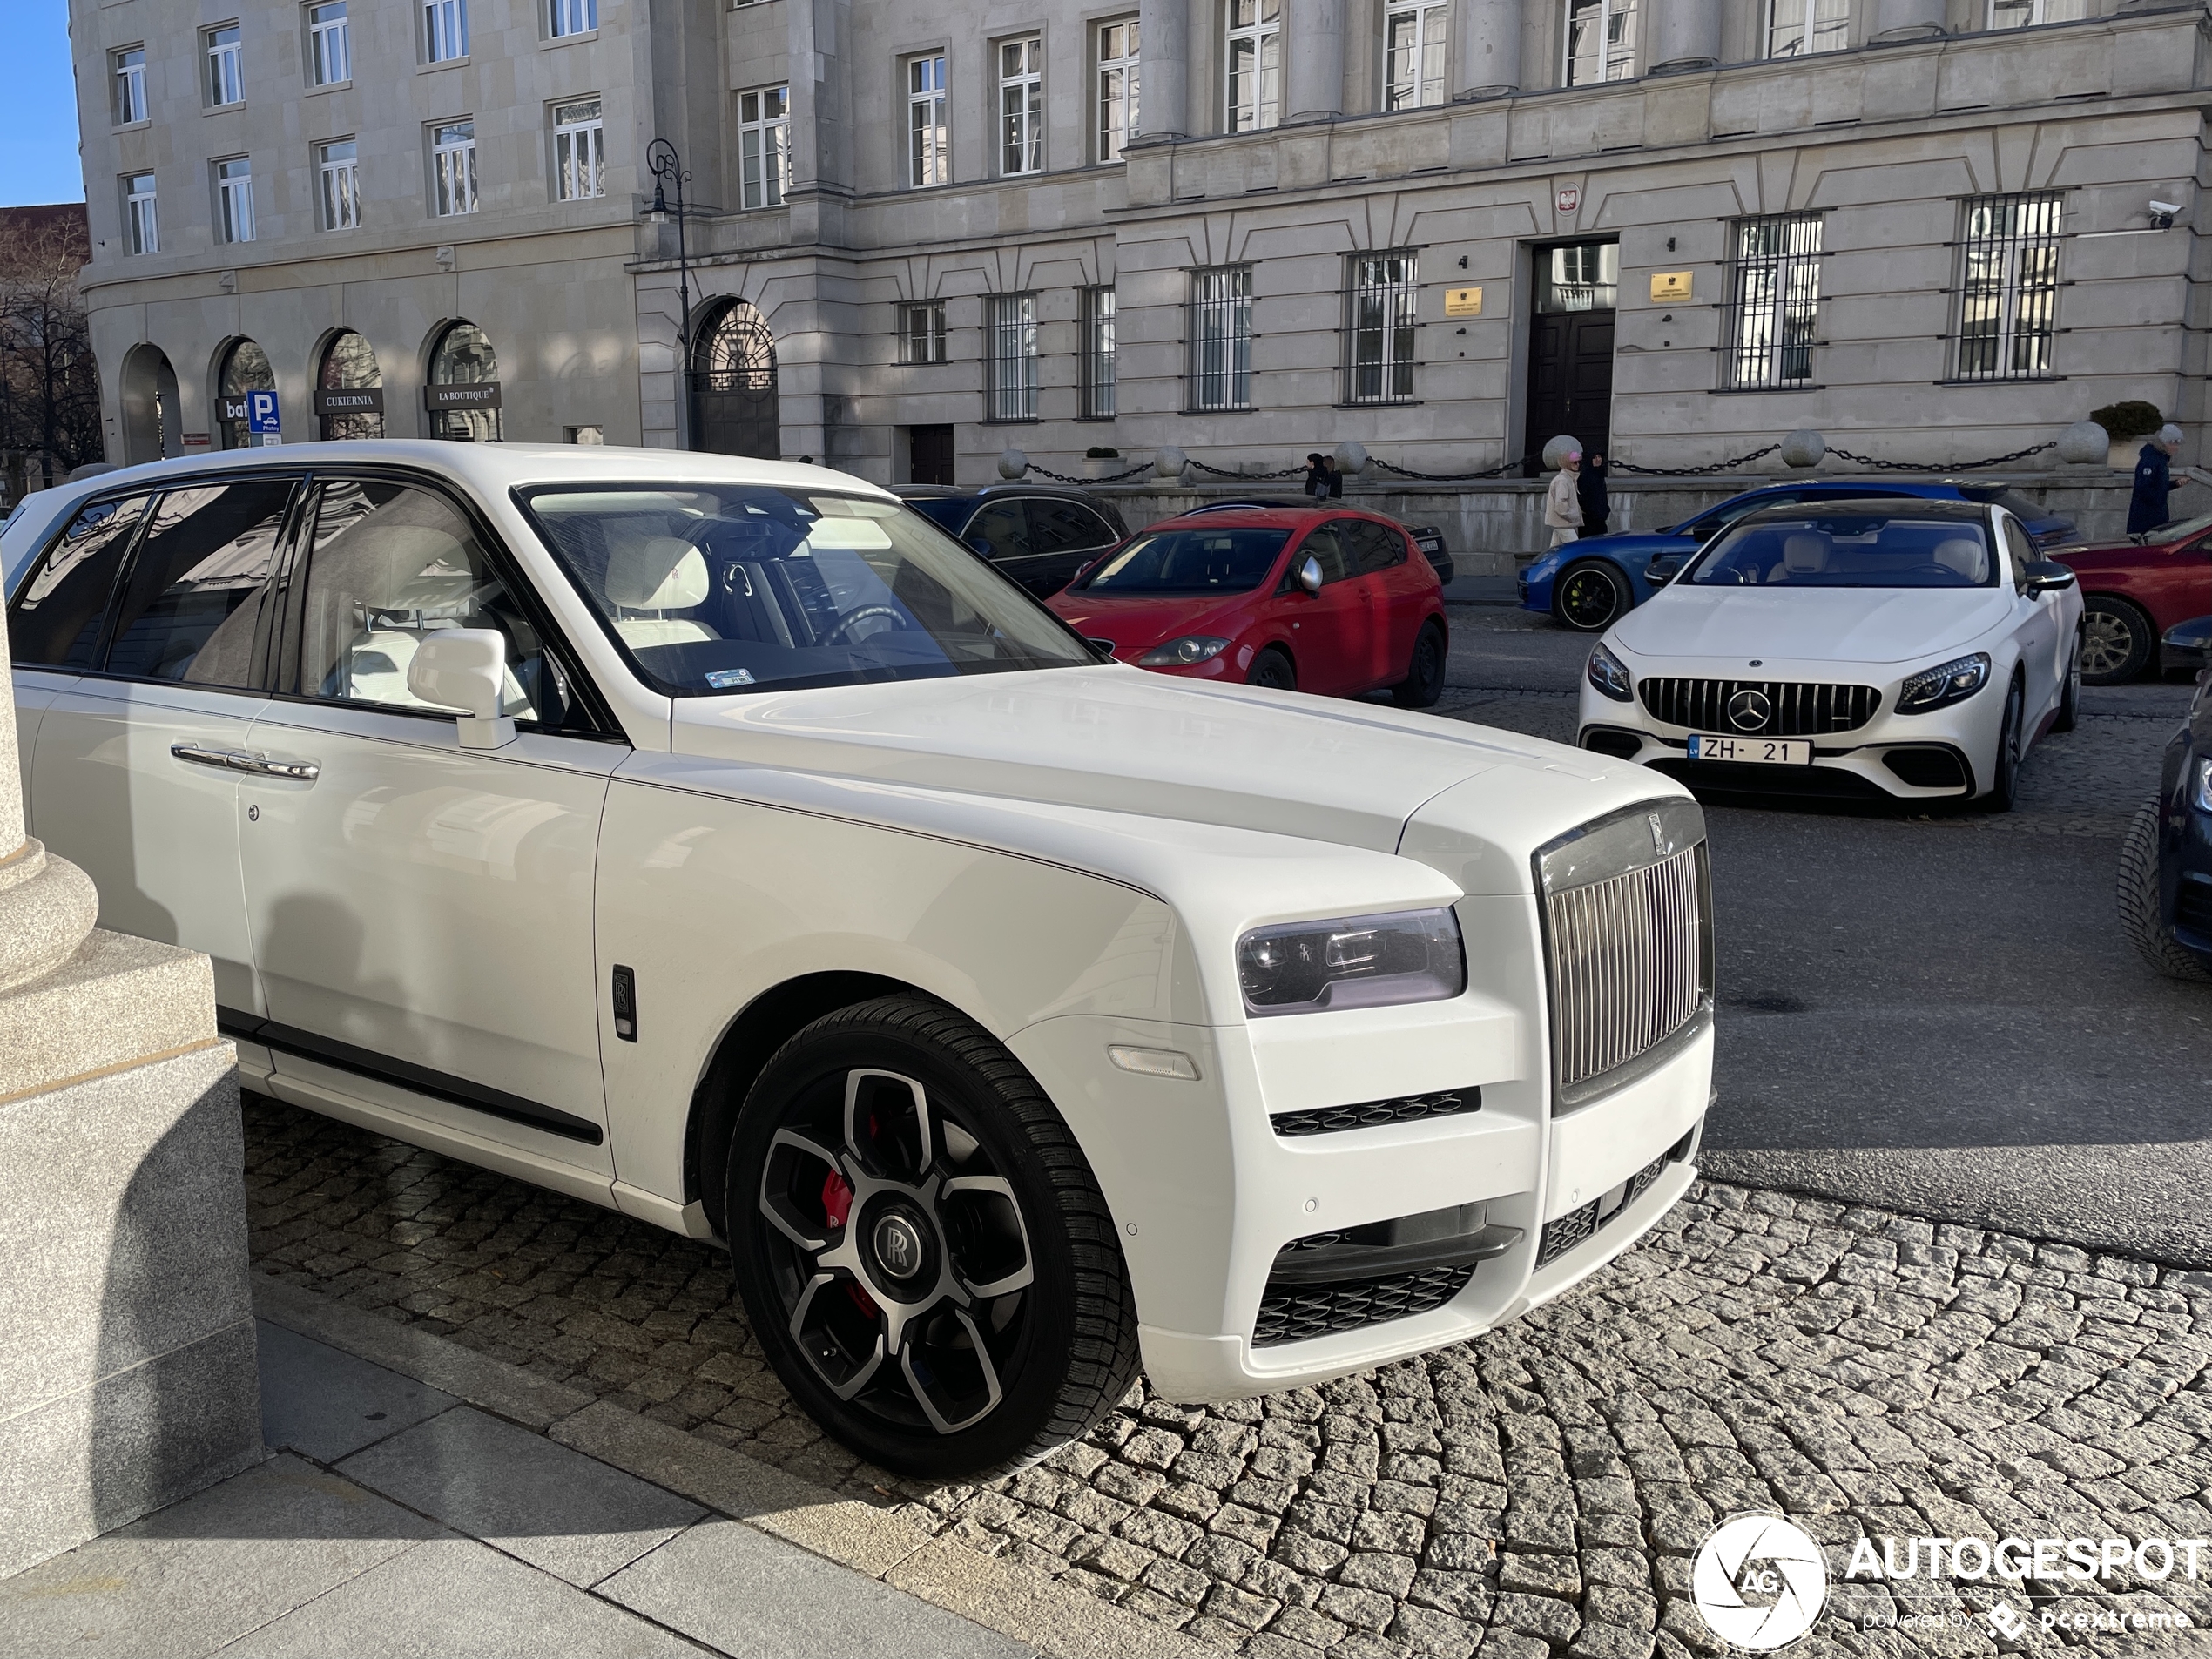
{"x":262,"y":413}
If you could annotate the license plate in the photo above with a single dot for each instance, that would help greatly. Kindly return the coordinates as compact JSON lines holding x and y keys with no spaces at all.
{"x":1778,"y":751}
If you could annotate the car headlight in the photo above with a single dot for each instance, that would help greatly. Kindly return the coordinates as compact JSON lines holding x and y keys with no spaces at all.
{"x":1352,"y":963}
{"x":2201,"y":785}
{"x":1191,"y":648}
{"x":1610,"y":675}
{"x":1939,"y":688}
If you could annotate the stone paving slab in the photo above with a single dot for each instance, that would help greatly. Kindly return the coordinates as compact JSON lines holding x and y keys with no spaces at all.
{"x":326,"y":1406}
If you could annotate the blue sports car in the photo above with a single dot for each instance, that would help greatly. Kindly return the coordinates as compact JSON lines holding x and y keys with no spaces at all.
{"x":1588,"y":585}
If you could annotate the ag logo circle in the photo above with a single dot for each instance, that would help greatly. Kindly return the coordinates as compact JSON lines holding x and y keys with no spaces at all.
{"x":1760,"y":1582}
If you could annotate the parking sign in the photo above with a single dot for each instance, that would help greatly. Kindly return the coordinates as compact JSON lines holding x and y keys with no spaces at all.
{"x":261,"y":416}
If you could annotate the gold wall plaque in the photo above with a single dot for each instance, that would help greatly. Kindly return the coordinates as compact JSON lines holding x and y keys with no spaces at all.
{"x":1462,"y":302}
{"x":1670,"y":285}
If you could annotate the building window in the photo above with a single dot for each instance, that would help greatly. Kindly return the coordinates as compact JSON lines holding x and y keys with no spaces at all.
{"x":929,"y":154}
{"x":246,"y":369}
{"x":1797,"y":28}
{"x":1221,"y":338}
{"x":579,"y":150}
{"x":330,"y":49}
{"x":234,"y":199}
{"x":1098,"y":354}
{"x":1255,"y":64}
{"x":352,"y":404}
{"x":2008,"y":287}
{"x":130,"y":66}
{"x":1118,"y":67}
{"x":463,"y":356}
{"x":763,"y":146}
{"x":140,"y":225}
{"x":1774,"y":293}
{"x":1021,"y":105}
{"x":225,"y":64}
{"x":1010,"y":325}
{"x":453,"y":168}
{"x":338,"y":186}
{"x":1414,"y":43}
{"x":1600,"y":41}
{"x":921,"y":332}
{"x":1381,"y":321}
{"x":571,"y":18}
{"x":445,"y":30}
{"x":2023,"y":14}
{"x":1585,"y":276}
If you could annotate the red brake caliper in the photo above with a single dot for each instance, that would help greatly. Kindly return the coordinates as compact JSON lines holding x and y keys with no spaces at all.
{"x":837,"y":1205}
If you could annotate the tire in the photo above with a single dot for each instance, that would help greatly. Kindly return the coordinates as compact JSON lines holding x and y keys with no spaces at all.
{"x":2005,"y":786}
{"x":1272,"y":668}
{"x":2140,"y":917}
{"x":1423,"y":686}
{"x":2117,"y":641}
{"x":2070,"y":697}
{"x":1590,"y":596}
{"x":838,"y":1208}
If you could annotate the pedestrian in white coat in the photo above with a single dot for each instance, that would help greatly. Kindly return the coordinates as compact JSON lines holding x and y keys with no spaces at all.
{"x":1562,"y":502}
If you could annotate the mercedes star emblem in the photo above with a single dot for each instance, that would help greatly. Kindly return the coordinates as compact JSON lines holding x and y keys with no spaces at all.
{"x":1750,"y":710}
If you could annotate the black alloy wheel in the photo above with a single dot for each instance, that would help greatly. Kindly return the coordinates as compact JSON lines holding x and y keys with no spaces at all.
{"x":2140,"y":918}
{"x":2117,"y":641}
{"x":1423,"y":686}
{"x":2005,"y":783}
{"x":1590,"y":596}
{"x":921,"y":1247}
{"x":1272,"y":668}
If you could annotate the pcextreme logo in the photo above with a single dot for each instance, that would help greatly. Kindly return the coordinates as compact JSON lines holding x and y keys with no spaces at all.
{"x":1759,"y":1581}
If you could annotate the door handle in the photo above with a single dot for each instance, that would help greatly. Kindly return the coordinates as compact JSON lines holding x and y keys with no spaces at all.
{"x":303,"y":772}
{"x":199,"y":755}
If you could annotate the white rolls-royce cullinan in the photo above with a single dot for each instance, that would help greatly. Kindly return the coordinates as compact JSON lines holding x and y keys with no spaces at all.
{"x":718,"y":842}
{"x":1890,"y":647}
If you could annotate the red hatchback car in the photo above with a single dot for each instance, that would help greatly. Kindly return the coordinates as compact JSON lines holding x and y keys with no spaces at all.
{"x":1311,"y":599}
{"x":2132,"y":592}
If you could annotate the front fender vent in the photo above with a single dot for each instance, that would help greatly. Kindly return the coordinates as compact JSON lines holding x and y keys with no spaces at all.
{"x":1373,"y":1114}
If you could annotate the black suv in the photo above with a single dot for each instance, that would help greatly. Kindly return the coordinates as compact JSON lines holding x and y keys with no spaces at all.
{"x":2165,"y":860}
{"x":1039,"y":535}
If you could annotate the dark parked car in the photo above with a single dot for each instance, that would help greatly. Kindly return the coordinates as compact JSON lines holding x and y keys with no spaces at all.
{"x":2165,"y":860}
{"x":1039,"y":535}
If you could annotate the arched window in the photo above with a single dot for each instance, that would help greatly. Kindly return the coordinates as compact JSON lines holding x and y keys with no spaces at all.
{"x":734,"y":407}
{"x":152,"y":418}
{"x":463,"y":359}
{"x":246,"y":368}
{"x":349,"y":388}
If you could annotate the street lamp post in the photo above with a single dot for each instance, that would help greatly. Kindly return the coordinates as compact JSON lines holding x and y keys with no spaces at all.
{"x":667,"y":168}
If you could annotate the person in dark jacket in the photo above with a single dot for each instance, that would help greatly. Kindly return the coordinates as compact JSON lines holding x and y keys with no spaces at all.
{"x":1589,"y":488}
{"x":2155,"y":482}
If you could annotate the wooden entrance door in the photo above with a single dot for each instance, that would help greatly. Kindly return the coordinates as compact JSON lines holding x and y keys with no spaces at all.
{"x":1570,"y":380}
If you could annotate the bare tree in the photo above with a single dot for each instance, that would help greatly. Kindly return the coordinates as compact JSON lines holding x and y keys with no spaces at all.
{"x":50,"y":387}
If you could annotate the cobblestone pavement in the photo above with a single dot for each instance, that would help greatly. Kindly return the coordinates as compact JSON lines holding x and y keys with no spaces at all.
{"x":1536,"y":1493}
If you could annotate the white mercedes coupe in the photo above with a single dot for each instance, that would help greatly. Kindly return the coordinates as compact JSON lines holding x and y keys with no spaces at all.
{"x":1887,"y":647}
{"x":720,"y":842}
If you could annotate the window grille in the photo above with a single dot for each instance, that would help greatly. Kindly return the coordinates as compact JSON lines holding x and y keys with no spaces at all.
{"x":1600,"y":41}
{"x":226,"y":65}
{"x":138,"y":212}
{"x":1221,"y":338}
{"x":1774,"y":297}
{"x":234,"y":199}
{"x":338,"y":177}
{"x":2009,"y":286}
{"x":763,"y":146}
{"x":1415,"y":42}
{"x":571,"y":18}
{"x":1098,"y":354}
{"x":1021,"y":105}
{"x":1118,"y":87}
{"x":453,"y":168}
{"x":921,"y":332}
{"x":330,"y":50}
{"x":1381,"y":300}
{"x":2023,"y":14}
{"x":1010,"y":323}
{"x":445,"y":30}
{"x":1253,"y":97}
{"x":130,"y":86}
{"x":579,"y":150}
{"x":1799,"y":28}
{"x":929,"y":159}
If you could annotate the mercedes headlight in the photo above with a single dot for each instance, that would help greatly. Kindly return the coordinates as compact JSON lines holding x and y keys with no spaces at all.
{"x":1610,"y":675}
{"x":2201,"y":785}
{"x":1180,"y":653}
{"x":1939,"y":688}
{"x":1353,"y":962}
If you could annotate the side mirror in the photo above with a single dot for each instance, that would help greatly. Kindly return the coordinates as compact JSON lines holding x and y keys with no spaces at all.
{"x":2048,"y":575}
{"x":1309,"y":574}
{"x":2191,"y":641}
{"x":1663,"y":569}
{"x":465,"y":669}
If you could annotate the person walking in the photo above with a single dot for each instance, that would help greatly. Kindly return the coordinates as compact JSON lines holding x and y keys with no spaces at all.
{"x":2155,"y":481}
{"x":1562,"y":504}
{"x":1317,"y":473}
{"x":1589,"y":490}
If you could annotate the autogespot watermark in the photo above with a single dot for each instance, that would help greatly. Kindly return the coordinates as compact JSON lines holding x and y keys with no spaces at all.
{"x":1761,"y":1582}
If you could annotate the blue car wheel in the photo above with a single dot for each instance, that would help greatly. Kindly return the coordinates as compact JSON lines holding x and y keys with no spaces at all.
{"x":1590,"y":596}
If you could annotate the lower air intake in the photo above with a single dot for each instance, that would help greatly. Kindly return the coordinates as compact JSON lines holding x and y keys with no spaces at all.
{"x":1578,"y":1227}
{"x":1373,"y":1114}
{"x":1295,"y":1315}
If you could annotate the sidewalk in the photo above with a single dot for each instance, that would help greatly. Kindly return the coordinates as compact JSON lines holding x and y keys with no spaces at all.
{"x":396,"y":1518}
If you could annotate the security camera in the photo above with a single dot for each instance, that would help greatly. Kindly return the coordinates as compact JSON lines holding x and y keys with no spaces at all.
{"x":2161,"y":215}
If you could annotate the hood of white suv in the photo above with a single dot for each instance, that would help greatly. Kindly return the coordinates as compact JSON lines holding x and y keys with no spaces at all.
{"x":1812,"y":624}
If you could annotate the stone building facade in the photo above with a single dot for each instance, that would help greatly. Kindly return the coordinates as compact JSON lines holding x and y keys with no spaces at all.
{"x":918,"y":235}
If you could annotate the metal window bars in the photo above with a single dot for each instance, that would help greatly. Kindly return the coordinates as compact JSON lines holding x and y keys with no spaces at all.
{"x":1773,"y":298}
{"x":1010,"y":331}
{"x":2009,"y":286}
{"x":1098,"y":354}
{"x":1381,"y":327}
{"x":1221,"y":338}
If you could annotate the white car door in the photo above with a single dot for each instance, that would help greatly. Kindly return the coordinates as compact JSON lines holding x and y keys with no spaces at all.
{"x":421,"y":912}
{"x":2043,"y":641}
{"x":133,"y":766}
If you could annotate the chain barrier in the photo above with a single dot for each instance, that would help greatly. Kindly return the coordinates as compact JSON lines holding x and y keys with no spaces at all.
{"x":1690,"y":472}
{"x":1956,"y":466}
{"x":1218,"y":472}
{"x":1110,"y":478}
{"x":1498,"y":471}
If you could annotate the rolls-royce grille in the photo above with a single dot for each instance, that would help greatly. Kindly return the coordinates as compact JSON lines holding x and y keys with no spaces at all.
{"x":1629,"y":919}
{"x":1409,"y":1108}
{"x":1295,"y":1315}
{"x":1760,"y":708}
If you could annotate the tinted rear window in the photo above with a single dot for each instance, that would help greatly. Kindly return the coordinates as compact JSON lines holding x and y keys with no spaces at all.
{"x":1197,"y":560}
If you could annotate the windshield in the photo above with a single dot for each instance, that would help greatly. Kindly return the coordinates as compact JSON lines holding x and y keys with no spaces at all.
{"x":1190,"y":561}
{"x":2182,"y":531}
{"x":726,"y":588}
{"x":1860,"y":549}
